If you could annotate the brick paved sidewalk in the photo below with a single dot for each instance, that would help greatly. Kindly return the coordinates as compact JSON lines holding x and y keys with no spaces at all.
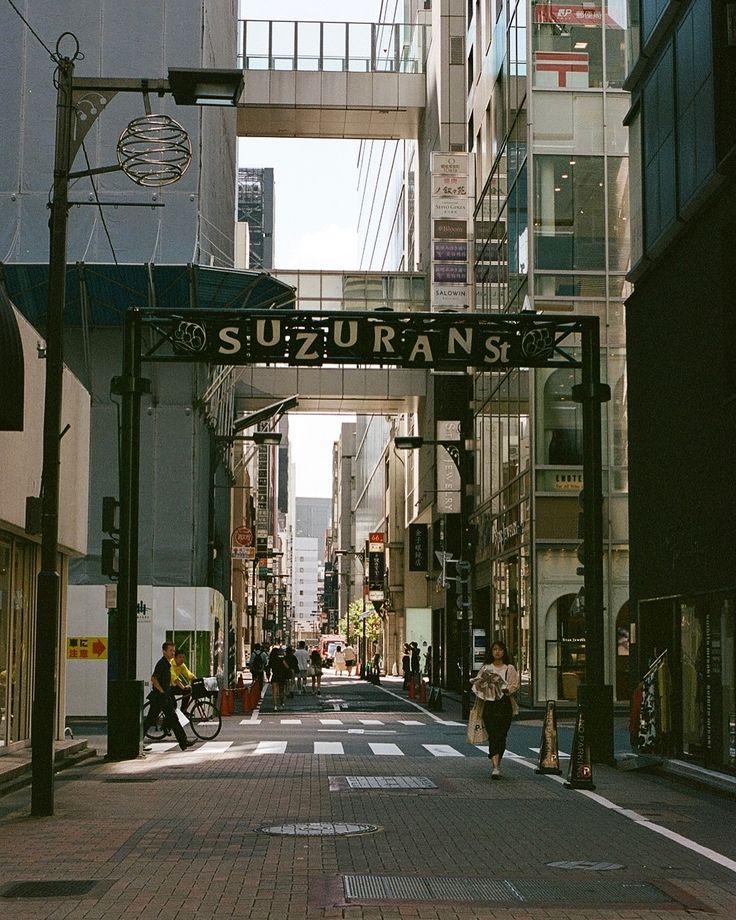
{"x":180,"y":836}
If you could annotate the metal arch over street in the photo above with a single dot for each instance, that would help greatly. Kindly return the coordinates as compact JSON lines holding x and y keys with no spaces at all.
{"x":440,"y":341}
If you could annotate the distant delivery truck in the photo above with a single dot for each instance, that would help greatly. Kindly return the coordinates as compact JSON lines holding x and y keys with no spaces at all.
{"x":327,"y":647}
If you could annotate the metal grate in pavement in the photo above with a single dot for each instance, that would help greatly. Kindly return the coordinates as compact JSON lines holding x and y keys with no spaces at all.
{"x":130,"y":779}
{"x":390,"y":782}
{"x":500,"y":891}
{"x":57,"y":888}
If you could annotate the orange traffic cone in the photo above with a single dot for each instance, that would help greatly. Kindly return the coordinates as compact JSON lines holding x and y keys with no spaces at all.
{"x":412,"y":689}
{"x":549,"y":758}
{"x":422,"y":692}
{"x":226,"y":702}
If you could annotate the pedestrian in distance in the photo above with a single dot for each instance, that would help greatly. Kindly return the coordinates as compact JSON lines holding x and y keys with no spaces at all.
{"x":293,"y":665}
{"x":416,"y":667}
{"x":350,"y":659}
{"x":339,"y":662}
{"x":406,"y":665}
{"x":280,"y":672}
{"x":257,"y":664}
{"x":302,"y":656}
{"x":162,"y":697}
{"x":315,"y":671}
{"x":496,"y":683}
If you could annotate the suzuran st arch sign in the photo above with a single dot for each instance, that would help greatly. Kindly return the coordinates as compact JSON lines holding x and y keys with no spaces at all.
{"x":448,"y":341}
{"x":440,"y":341}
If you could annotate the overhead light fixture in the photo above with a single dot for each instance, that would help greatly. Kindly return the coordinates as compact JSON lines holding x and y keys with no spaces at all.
{"x":197,"y":86}
{"x":408,"y":443}
{"x":266,"y":437}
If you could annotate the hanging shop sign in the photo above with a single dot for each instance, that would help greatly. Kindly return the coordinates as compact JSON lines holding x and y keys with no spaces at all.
{"x":376,"y":566}
{"x":418,"y":547}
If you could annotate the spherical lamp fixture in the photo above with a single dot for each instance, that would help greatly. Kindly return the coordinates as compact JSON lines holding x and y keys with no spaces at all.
{"x":154,"y":150}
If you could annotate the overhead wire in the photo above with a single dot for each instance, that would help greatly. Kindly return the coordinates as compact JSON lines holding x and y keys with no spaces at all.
{"x":99,"y":205}
{"x":33,"y":32}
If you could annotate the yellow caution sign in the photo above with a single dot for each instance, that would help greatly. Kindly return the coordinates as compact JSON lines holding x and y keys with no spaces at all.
{"x":90,"y":648}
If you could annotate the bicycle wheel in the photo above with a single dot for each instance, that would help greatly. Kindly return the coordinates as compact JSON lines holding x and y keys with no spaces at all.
{"x":205,"y":719}
{"x":154,"y":732}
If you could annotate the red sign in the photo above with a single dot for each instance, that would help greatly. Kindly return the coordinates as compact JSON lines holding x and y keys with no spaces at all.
{"x":242,"y":536}
{"x":586,"y":16}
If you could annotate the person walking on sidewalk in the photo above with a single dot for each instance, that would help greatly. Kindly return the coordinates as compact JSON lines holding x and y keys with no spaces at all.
{"x":496,"y":683}
{"x":315,"y":670}
{"x":280,"y":673}
{"x":257,"y":664}
{"x":339,"y":662}
{"x":302,"y":656}
{"x":406,"y":665}
{"x":350,"y":659}
{"x":162,"y":697}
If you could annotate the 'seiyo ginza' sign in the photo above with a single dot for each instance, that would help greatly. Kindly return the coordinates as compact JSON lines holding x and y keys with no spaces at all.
{"x":438,"y":340}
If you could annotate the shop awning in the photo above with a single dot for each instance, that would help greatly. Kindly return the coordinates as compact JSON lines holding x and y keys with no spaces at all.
{"x":98,"y":294}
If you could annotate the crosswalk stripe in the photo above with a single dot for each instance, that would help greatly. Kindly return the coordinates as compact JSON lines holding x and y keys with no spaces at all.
{"x":271,"y":747}
{"x":560,"y":754}
{"x":250,"y":722}
{"x":214,"y":747}
{"x":385,"y":750}
{"x":331,"y":721}
{"x":291,"y":721}
{"x":328,"y":747}
{"x":442,"y":750}
{"x":160,"y":747}
{"x":370,"y":722}
{"x":409,"y":722}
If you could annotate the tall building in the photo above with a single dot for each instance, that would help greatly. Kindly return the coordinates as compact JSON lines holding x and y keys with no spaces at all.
{"x":312,"y":517}
{"x":255,"y":208}
{"x":681,"y":329}
{"x":175,"y":246}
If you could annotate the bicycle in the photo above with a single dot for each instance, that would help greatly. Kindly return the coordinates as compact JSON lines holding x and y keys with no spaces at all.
{"x":203,"y":715}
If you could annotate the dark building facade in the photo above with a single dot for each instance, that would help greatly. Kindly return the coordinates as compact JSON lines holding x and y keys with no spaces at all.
{"x":681,"y":331}
{"x":255,"y":206}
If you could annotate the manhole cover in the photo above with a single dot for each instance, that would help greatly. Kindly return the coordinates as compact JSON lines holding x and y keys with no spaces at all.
{"x":319,"y":829}
{"x":587,"y":865}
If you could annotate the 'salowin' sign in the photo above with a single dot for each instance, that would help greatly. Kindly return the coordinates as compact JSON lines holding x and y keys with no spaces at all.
{"x":439,"y":340}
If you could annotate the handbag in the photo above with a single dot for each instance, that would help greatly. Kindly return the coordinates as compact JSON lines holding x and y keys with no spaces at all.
{"x":477,"y":733}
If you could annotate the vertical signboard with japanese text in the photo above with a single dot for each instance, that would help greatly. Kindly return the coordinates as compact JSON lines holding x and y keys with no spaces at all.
{"x":450,"y":288}
{"x":376,"y":567}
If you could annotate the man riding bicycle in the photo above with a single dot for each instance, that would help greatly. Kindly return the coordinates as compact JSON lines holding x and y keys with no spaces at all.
{"x":181,"y":679}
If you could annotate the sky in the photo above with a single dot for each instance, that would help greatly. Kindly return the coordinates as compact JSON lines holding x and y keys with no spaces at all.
{"x":315,"y":220}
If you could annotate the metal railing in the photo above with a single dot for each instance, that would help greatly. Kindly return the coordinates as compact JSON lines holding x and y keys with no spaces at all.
{"x":359,"y":47}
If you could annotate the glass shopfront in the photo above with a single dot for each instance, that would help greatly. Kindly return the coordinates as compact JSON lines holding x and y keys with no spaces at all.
{"x":699,"y":633}
{"x":17,"y":593}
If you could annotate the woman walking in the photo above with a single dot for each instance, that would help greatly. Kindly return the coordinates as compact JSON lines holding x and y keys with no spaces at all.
{"x":496,"y":682}
{"x":315,"y":670}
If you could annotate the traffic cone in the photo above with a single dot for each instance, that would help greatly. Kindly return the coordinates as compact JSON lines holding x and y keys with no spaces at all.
{"x":438,"y":701}
{"x":226,"y":702}
{"x":240,"y":682}
{"x":412,"y":689}
{"x":422,"y":691}
{"x":549,"y":758}
{"x":580,"y":772}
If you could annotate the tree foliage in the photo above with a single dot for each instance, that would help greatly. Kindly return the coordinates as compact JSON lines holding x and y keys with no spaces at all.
{"x":352,"y":625}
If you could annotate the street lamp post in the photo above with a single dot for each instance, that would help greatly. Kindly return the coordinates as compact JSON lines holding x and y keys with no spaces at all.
{"x":360,"y":555}
{"x":188,"y":87}
{"x":458,"y":453}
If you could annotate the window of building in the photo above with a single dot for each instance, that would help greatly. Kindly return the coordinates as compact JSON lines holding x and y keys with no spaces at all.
{"x":560,"y":419}
{"x":658,"y":108}
{"x":570,"y":218}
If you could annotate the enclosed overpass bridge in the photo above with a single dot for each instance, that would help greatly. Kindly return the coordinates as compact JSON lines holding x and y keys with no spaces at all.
{"x":357,"y":80}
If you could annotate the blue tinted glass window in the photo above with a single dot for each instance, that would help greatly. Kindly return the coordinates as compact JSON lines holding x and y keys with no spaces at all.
{"x":658,"y":112}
